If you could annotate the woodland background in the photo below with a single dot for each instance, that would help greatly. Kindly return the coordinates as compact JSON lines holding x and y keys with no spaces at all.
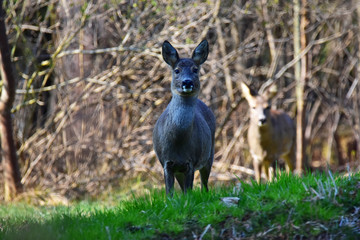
{"x":91,"y":84}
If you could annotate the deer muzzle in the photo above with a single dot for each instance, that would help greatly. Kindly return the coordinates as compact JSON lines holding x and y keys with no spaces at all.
{"x":262,"y":121}
{"x":187,"y":86}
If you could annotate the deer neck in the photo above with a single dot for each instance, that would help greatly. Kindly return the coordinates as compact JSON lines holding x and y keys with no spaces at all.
{"x":182,"y":111}
{"x":260,"y":132}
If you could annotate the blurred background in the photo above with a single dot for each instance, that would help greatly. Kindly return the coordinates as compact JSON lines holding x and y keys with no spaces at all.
{"x":92,"y":83}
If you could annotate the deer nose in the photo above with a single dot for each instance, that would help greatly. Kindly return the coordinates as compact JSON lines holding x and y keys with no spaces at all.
{"x":187,"y":85}
{"x":262,"y":121}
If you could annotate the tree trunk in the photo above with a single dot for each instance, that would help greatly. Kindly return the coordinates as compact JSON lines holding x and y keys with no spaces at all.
{"x":12,"y":179}
{"x":300,"y":77}
{"x":357,"y":101}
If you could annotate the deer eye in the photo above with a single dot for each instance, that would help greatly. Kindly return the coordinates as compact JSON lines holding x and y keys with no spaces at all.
{"x":177,"y":71}
{"x":267,"y":108}
{"x":195,"y":70}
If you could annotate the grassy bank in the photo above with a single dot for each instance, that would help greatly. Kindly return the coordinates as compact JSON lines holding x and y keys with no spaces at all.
{"x":315,"y":206}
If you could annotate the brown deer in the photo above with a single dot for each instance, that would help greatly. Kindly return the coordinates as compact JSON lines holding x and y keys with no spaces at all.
{"x":271,"y":133}
{"x":183,"y":136}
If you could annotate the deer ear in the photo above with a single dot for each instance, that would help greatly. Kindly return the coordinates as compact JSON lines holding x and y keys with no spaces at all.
{"x":247,"y":92}
{"x":201,"y":52}
{"x":270,"y":92}
{"x":169,"y":54}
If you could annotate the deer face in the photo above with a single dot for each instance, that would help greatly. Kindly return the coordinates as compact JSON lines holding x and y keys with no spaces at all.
{"x":260,"y":104}
{"x":185,"y":71}
{"x":185,"y":81}
{"x":259,"y":110}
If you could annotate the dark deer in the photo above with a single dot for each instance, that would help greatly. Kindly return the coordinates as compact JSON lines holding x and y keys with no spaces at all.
{"x":271,"y":133}
{"x":183,"y":136}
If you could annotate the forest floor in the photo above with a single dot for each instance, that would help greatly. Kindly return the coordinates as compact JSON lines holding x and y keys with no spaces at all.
{"x":315,"y":206}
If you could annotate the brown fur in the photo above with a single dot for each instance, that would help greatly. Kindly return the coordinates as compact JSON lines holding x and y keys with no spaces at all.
{"x":271,"y":133}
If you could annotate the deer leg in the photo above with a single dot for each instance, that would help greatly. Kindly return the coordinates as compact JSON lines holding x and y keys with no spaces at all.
{"x":289,"y":161}
{"x":189,"y":178}
{"x":271,"y":172}
{"x":257,"y":169}
{"x":204,"y":175}
{"x":265,"y":169}
{"x":290,"y":158}
{"x":169,"y":178}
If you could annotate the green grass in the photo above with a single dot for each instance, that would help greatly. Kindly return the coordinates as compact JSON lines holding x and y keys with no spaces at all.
{"x":315,"y":206}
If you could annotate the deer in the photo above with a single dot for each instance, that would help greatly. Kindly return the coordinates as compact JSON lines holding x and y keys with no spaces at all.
{"x":183,"y":136}
{"x":271,"y":133}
